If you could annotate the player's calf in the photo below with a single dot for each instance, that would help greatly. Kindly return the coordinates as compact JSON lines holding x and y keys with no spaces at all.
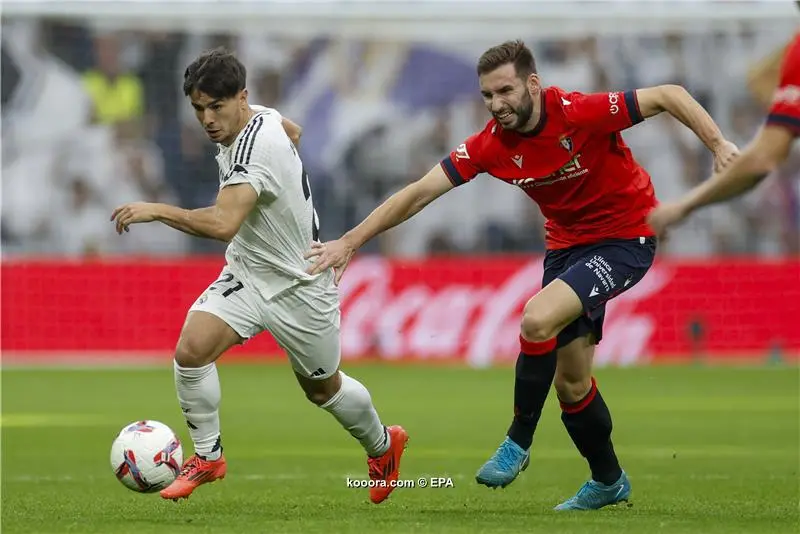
{"x":588,"y":422}
{"x":351,"y":404}
{"x":203,"y":339}
{"x":536,"y":365}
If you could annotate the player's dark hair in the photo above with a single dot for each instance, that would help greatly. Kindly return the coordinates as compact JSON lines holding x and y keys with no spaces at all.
{"x":217,"y":73}
{"x":509,"y":52}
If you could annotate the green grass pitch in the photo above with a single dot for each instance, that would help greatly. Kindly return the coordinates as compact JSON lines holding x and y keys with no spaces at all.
{"x":708,"y":450}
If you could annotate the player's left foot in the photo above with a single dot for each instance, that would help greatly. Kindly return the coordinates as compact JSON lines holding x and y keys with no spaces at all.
{"x":505,"y":464}
{"x":385,"y":470}
{"x":594,"y":495}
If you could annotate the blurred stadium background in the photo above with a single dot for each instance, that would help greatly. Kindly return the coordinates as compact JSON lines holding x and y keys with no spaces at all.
{"x":93,"y":116}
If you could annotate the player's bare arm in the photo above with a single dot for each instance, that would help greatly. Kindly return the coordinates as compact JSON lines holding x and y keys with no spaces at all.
{"x":762,"y":155}
{"x":398,"y":208}
{"x":677,"y":101}
{"x":763,"y":77}
{"x":293,"y":130}
{"x":220,"y":221}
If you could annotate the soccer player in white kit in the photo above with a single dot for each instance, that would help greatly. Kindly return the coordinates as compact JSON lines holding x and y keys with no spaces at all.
{"x":264,"y":209}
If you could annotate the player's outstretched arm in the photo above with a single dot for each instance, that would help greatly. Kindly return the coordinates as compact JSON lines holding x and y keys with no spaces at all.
{"x":220,"y":221}
{"x":677,"y":101}
{"x":762,"y":155}
{"x":763,"y":77}
{"x":397,"y":208}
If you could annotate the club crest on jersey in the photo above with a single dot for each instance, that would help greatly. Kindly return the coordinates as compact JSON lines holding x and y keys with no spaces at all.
{"x":461,"y":151}
{"x":566,"y":143}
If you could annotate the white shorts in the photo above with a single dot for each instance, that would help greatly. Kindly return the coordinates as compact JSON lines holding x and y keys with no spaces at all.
{"x":304,"y":319}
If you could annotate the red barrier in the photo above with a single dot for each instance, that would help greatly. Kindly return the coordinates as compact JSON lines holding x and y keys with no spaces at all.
{"x":461,"y":309}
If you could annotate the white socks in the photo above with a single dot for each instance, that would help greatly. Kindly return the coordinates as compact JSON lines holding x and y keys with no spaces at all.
{"x":352,"y":407}
{"x":199,"y":395}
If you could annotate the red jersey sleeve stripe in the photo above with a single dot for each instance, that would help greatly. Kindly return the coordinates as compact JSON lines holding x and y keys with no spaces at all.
{"x":451,"y":172}
{"x":632,"y":103}
{"x":792,"y":123}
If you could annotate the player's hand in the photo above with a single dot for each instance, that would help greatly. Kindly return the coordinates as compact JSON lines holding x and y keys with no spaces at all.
{"x":132,"y":213}
{"x":724,"y":155}
{"x":666,"y":215}
{"x":334,"y":254}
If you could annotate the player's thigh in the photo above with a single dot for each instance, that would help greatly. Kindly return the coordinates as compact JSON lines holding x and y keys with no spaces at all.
{"x":550,"y":311}
{"x":306,"y":324}
{"x":223,"y":316}
{"x":555,"y":305}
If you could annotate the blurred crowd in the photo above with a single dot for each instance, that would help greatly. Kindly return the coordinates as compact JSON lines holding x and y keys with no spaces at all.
{"x":93,"y":117}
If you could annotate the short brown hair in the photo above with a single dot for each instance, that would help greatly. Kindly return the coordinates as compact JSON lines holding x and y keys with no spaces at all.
{"x":509,"y":52}
{"x":216,"y":73}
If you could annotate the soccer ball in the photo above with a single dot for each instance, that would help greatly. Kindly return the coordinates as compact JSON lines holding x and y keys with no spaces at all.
{"x":146,"y":456}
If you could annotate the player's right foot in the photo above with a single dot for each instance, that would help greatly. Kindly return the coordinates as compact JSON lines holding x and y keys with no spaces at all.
{"x":503,"y":467}
{"x":594,"y":495}
{"x":195,"y":471}
{"x":385,"y":470}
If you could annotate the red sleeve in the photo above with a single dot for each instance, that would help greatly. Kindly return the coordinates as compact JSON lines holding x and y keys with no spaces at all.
{"x":785,"y":110}
{"x":464,"y":163}
{"x":604,"y":112}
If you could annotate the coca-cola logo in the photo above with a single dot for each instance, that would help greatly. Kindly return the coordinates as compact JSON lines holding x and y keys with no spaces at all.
{"x":425,"y":316}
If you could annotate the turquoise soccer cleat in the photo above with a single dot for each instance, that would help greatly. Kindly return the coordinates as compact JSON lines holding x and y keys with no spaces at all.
{"x":504,"y":466}
{"x":594,"y":495}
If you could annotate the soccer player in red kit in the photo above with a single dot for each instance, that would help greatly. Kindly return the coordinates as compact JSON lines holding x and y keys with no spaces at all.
{"x":768,"y":149}
{"x":565,"y":151}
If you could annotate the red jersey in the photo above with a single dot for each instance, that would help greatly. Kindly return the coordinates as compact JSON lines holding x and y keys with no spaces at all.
{"x":785,"y":109}
{"x":573,"y":164}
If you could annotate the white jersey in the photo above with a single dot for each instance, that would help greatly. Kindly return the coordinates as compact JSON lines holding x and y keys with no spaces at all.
{"x":268,"y":249}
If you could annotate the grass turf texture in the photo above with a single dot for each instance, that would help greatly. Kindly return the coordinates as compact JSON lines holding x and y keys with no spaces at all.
{"x":708,"y":450}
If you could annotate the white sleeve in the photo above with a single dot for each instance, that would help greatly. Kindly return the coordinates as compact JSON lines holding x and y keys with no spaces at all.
{"x":255,"y":163}
{"x":258,"y":176}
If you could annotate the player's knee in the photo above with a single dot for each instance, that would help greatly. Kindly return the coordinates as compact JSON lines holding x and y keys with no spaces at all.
{"x":319,"y":392}
{"x":191,"y":353}
{"x":536,"y":326}
{"x":572,"y":387}
{"x":318,"y":397}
